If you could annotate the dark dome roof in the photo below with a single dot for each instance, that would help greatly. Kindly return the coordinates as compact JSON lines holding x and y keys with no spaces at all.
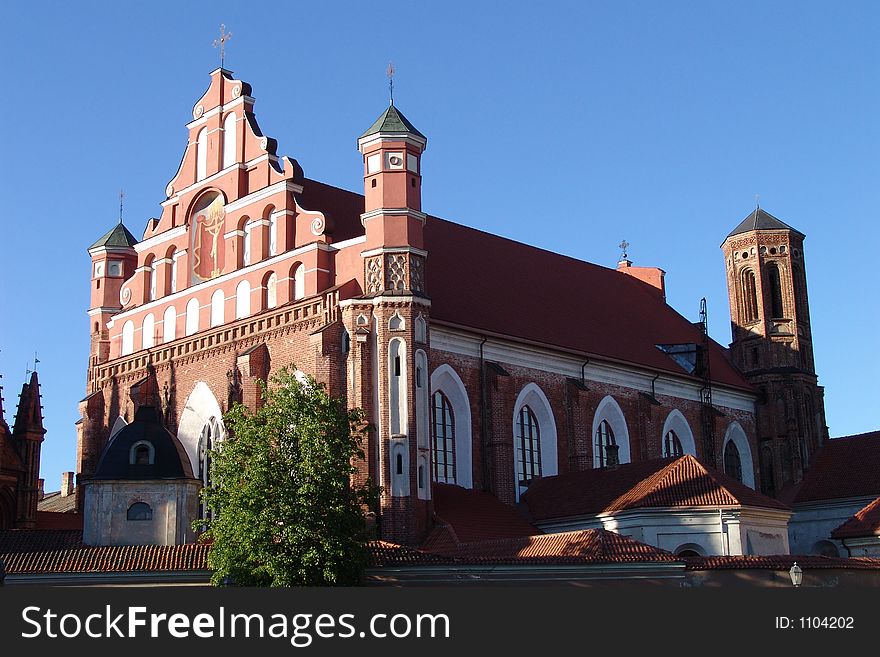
{"x":170,"y":462}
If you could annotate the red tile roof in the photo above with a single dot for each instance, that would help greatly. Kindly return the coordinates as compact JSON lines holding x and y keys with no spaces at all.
{"x":39,"y":540}
{"x":110,"y":559}
{"x":57,"y":503}
{"x":54,"y":520}
{"x":475,"y":515}
{"x":866,"y":522}
{"x":779,"y":562}
{"x":383,"y":553}
{"x":476,"y":281}
{"x":842,"y":468}
{"x":587,"y":546}
{"x":681,"y":482}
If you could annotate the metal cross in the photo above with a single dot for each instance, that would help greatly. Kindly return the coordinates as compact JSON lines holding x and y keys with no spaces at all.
{"x":390,"y":73}
{"x":757,"y":201}
{"x":624,"y":245}
{"x":221,"y":42}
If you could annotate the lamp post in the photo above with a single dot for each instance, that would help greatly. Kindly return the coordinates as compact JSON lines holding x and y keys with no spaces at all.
{"x":796,"y":574}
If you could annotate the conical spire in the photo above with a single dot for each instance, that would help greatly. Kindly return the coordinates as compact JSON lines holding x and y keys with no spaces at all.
{"x":29,"y":417}
{"x":119,"y":235}
{"x":392,"y":122}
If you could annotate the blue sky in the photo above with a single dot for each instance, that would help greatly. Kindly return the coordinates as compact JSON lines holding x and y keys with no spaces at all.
{"x":654,"y":122}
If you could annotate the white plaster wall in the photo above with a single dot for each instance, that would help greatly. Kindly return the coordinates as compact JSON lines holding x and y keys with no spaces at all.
{"x":174,"y":504}
{"x":815,"y":521}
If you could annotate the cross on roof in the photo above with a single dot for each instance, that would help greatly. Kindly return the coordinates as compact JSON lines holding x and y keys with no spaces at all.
{"x":221,"y":42}
{"x":624,"y":245}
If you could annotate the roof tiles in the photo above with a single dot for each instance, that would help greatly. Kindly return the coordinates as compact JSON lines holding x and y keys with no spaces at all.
{"x":843,"y":468}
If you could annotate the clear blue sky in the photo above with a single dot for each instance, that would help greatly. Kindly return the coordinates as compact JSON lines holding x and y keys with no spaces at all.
{"x":655,"y":122}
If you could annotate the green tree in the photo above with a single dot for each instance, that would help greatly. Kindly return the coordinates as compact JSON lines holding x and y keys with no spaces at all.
{"x":284,"y":510}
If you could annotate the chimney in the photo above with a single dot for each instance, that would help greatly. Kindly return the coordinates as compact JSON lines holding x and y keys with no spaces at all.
{"x":612,"y":458}
{"x":67,"y":479}
{"x":41,"y":488}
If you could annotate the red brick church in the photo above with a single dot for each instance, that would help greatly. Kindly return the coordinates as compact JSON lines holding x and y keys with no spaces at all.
{"x":483,"y":363}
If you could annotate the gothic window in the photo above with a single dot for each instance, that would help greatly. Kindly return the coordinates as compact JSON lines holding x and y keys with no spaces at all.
{"x":139,"y":511}
{"x":217,"y":302}
{"x":768,"y":486}
{"x":229,"y":140}
{"x":202,"y":154}
{"x":604,"y":440}
{"x":776,"y":309}
{"x":397,"y":387}
{"x":443,"y":439}
{"x":749,"y":297}
{"x":273,"y":235}
{"x":209,"y":436}
{"x":169,"y":324}
{"x":528,"y":446}
{"x":172,"y":275}
{"x":151,"y":279}
{"x":672,"y":445}
{"x":246,"y":252}
{"x":732,"y":463}
{"x":192,"y":316}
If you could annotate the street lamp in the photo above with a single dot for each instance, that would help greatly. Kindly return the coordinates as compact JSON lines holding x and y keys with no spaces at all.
{"x":796,"y":574}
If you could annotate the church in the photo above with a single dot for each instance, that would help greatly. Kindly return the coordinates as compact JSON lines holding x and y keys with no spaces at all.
{"x":496,"y":375}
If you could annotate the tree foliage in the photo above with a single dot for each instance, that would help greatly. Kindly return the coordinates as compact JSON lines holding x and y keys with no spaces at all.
{"x":285,"y":511}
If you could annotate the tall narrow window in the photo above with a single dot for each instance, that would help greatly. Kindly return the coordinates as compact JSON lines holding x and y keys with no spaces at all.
{"x":246,"y":253}
{"x":604,"y":440}
{"x":229,"y":141}
{"x":776,"y":309}
{"x":127,"y":338}
{"x":202,"y":154}
{"x":169,"y":324}
{"x":528,"y":446}
{"x":242,"y":300}
{"x":151,"y":273}
{"x":273,"y":235}
{"x":173,"y":283}
{"x":672,"y":445}
{"x":299,"y":282}
{"x":148,"y":331}
{"x":732,"y":462}
{"x":207,"y":440}
{"x":749,"y":296}
{"x":443,"y":439}
{"x":272,"y":291}
{"x":192,"y":316}
{"x":217,"y":302}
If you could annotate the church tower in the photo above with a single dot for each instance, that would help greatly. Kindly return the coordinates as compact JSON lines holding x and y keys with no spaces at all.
{"x":390,"y":323}
{"x":772,"y":344}
{"x":27,"y":440}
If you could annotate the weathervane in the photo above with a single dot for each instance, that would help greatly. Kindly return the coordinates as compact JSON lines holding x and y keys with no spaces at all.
{"x":624,"y":245}
{"x":121,"y":201}
{"x":757,"y":201}
{"x":390,"y":73}
{"x":221,"y":42}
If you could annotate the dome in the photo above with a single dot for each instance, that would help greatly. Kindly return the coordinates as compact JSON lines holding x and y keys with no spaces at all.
{"x":144,"y":449}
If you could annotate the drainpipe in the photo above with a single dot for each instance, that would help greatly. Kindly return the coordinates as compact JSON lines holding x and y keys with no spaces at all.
{"x":656,"y":376}
{"x":583,"y":377}
{"x":484,"y":419}
{"x":724,"y":544}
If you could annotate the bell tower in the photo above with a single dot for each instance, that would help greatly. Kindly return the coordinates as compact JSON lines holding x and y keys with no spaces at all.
{"x":772,"y":344}
{"x":390,"y":324}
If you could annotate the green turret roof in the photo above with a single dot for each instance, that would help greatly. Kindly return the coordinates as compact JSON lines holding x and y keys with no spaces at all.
{"x":119,"y":235}
{"x":392,"y":122}
{"x":761,"y":220}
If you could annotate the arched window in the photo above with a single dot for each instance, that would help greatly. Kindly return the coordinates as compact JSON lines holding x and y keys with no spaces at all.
{"x":768,"y":482}
{"x":209,"y":436}
{"x":229,"y":141}
{"x":147,"y":331}
{"x":242,"y":300}
{"x":776,"y":309}
{"x":732,"y":463}
{"x":151,"y":279}
{"x":398,"y":408}
{"x":672,"y":445}
{"x":142,"y":453}
{"x":443,"y":439}
{"x":217,"y":302}
{"x":172,"y":283}
{"x":169,"y":324}
{"x":299,"y":282}
{"x":271,"y":291}
{"x":246,"y":251}
{"x":749,"y":297}
{"x":606,"y":445}
{"x":127,"y":338}
{"x":202,"y":154}
{"x":139,"y":511}
{"x":528,"y":446}
{"x":273,"y":235}
{"x":192,"y":316}
{"x":446,"y":379}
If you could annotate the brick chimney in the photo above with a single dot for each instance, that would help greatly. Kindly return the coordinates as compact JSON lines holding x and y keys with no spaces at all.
{"x":67,"y":479}
{"x":41,"y":489}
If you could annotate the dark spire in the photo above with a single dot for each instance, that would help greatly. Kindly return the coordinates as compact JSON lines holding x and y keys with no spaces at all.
{"x":119,"y":235}
{"x":392,"y":122}
{"x":762,"y":220}
{"x":29,"y":417}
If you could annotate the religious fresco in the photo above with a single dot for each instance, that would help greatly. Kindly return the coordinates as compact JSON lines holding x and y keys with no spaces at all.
{"x":207,"y":230}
